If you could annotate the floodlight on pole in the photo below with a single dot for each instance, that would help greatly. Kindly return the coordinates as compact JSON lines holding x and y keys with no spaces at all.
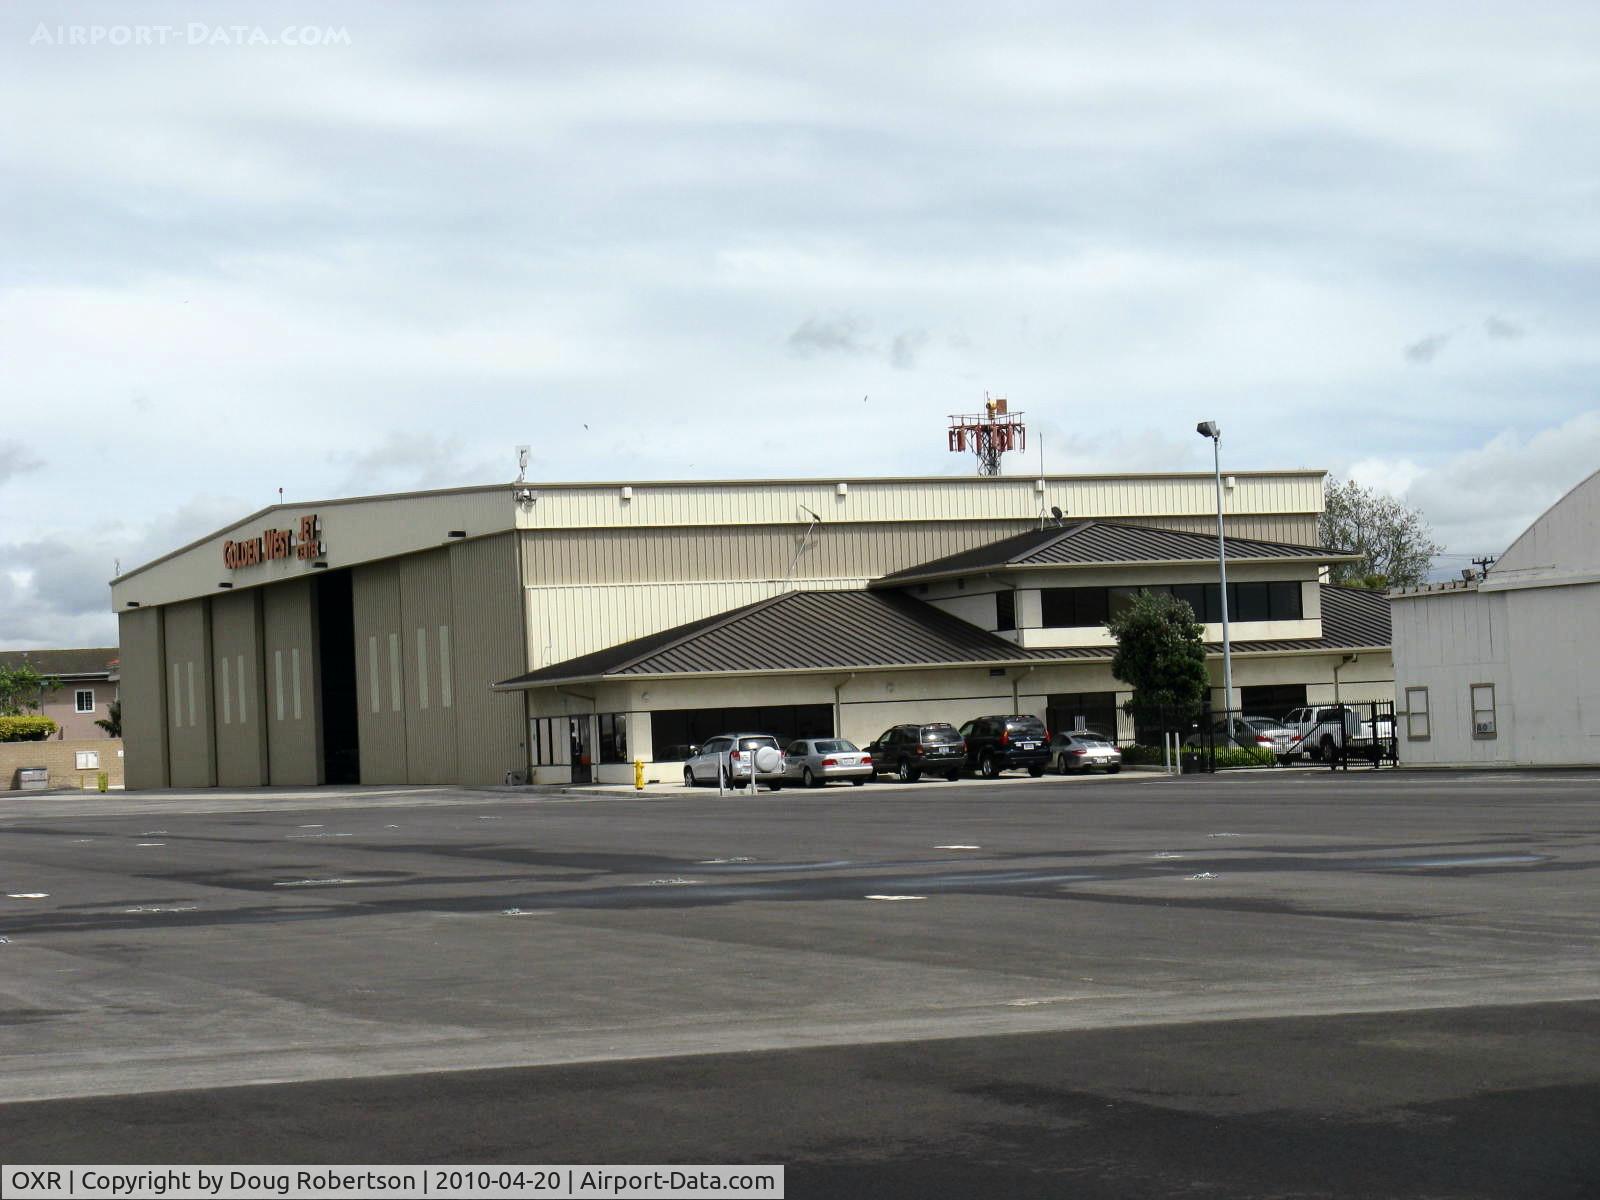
{"x":1210,"y":429}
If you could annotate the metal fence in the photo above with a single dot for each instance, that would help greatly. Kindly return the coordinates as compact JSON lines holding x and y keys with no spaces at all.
{"x":1331,"y":735}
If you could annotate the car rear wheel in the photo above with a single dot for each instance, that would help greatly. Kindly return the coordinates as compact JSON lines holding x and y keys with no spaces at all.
{"x":1037,"y":770}
{"x":807,"y":778}
{"x":689,"y":779}
{"x":907,"y":773}
{"x":1061,"y":766}
{"x":1113,"y":768}
{"x":857,"y":782}
{"x":952,"y":776}
{"x":989,"y":768}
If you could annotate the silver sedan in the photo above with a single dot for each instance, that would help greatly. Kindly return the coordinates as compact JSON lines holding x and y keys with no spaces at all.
{"x":816,"y":761}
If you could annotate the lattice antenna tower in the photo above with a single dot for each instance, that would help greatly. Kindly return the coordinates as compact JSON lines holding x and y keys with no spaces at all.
{"x":988,"y":434}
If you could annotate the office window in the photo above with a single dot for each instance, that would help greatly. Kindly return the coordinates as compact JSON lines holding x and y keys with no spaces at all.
{"x":1073,"y":608}
{"x":85,"y":700}
{"x":552,"y":745}
{"x":1284,"y":600}
{"x":1005,"y":610}
{"x":1194,"y":595}
{"x":1483,"y":724}
{"x":1251,"y":601}
{"x":613,"y":737}
{"x":1417,"y":714}
{"x":87,"y":760}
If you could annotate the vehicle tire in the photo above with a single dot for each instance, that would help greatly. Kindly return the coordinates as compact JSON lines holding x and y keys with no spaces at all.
{"x":688,"y":778}
{"x":726,"y":776}
{"x":1036,"y":770}
{"x":1283,"y":760}
{"x":1113,"y":770}
{"x":857,"y":782}
{"x":906,"y":773}
{"x":1329,"y":750}
{"x":1061,"y":766}
{"x":807,"y":778}
{"x":988,"y":767}
{"x":775,"y":786}
{"x":952,"y":776}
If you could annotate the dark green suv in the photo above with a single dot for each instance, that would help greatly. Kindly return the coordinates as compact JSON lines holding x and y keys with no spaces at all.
{"x":1013,"y":743}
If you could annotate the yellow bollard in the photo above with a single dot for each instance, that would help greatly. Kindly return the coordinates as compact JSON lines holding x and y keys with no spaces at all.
{"x":638,"y":774}
{"x":104,"y":781}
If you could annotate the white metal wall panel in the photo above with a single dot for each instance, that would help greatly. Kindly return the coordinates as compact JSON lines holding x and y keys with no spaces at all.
{"x":564,"y":622}
{"x":485,"y":642}
{"x":191,"y":745}
{"x":425,"y":606}
{"x":144,"y":698}
{"x":952,"y":498}
{"x":239,"y":706}
{"x":380,"y":672}
{"x":291,"y":662}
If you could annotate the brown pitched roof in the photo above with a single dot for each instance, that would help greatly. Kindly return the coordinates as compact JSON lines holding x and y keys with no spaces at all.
{"x":99,"y":662}
{"x":1097,"y":543}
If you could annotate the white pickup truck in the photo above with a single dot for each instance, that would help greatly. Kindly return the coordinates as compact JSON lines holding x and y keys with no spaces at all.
{"x":1327,"y":731}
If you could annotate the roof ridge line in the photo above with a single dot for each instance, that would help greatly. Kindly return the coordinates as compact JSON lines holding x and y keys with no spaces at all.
{"x":1060,"y":536}
{"x":717,"y":621}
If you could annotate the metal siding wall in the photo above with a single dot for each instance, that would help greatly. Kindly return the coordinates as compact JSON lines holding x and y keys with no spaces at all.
{"x":487,"y":647}
{"x":144,"y":698}
{"x":191,"y":737}
{"x":290,"y":663}
{"x":430,"y":698}
{"x":379,"y":633}
{"x":240,"y":700}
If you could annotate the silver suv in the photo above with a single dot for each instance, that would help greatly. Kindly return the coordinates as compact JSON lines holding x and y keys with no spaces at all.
{"x":730,"y":757}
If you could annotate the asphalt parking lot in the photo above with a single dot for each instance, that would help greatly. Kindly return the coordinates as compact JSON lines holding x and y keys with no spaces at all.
{"x":1286,"y":983}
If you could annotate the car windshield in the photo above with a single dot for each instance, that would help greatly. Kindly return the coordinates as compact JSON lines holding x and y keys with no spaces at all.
{"x":755,"y":743}
{"x":834,"y":746}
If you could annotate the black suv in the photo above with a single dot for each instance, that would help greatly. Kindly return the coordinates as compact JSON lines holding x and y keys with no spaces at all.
{"x":996,"y":744}
{"x":906,"y":751}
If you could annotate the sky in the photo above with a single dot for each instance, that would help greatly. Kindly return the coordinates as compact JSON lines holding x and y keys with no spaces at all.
{"x":352,"y":248}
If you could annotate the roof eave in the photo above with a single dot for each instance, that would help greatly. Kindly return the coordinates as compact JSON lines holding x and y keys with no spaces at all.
{"x":897,"y":581}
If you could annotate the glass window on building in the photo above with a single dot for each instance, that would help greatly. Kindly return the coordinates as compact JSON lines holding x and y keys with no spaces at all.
{"x":85,"y":700}
{"x":613,"y":737}
{"x":1417,"y":714}
{"x":1483,"y":723}
{"x":674,"y":730}
{"x":1005,"y":610}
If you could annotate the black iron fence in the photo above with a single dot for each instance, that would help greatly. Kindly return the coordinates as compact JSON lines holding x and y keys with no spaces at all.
{"x":1331,"y":735}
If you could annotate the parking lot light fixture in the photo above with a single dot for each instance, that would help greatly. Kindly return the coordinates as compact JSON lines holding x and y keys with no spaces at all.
{"x":1210,"y":429}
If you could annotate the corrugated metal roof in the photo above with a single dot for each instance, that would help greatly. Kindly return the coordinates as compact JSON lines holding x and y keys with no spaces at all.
{"x":65,"y":664}
{"x":855,"y":630}
{"x":1098,"y":543}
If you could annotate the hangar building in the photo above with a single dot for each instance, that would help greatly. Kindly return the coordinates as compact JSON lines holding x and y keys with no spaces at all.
{"x":555,"y":632}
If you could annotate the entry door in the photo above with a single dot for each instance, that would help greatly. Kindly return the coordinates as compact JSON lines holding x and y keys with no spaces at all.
{"x":578,"y":733}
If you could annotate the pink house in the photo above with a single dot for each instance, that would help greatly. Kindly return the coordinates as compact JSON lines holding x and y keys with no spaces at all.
{"x":89,"y":684}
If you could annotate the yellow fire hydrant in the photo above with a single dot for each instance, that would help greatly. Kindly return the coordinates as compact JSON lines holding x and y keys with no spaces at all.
{"x":104,"y":781}
{"x":638,"y":774}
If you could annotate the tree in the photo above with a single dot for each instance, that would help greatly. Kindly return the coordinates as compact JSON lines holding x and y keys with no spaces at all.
{"x":1395,"y":543}
{"x":112,"y":721}
{"x":1162,"y":654}
{"x":20,"y":689}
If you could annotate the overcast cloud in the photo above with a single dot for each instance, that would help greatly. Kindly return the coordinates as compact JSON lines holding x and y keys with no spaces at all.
{"x":1359,"y":237}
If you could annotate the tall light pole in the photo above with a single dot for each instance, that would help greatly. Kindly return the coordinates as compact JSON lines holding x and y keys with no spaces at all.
{"x":1210,"y":429}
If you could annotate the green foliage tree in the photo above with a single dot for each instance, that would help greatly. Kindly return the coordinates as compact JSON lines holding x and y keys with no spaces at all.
{"x":1161,"y":653}
{"x":112,"y":721}
{"x":1395,"y":543}
{"x":20,"y":689}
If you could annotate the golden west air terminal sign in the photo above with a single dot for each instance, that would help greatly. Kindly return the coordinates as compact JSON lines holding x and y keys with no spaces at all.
{"x":303,"y":543}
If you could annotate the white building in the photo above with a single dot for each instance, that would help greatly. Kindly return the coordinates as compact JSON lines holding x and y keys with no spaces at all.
{"x":1506,"y":668}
